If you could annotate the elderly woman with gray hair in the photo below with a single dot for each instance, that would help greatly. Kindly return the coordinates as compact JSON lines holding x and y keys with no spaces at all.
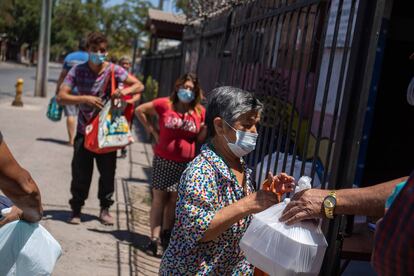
{"x":216,"y":196}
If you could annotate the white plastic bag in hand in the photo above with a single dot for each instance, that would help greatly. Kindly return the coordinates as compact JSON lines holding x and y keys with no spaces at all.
{"x":27,"y":249}
{"x":279,"y":249}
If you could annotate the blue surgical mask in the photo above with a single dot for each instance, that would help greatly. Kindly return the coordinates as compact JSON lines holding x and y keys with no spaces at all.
{"x":97,"y":58}
{"x":185,"y":95}
{"x":245,"y":142}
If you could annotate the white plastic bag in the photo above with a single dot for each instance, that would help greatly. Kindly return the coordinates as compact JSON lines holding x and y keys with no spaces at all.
{"x":114,"y":128}
{"x":282,"y":250}
{"x":27,"y":249}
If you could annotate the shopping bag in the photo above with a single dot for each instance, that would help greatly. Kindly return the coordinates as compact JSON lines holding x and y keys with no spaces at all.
{"x":279,"y":249}
{"x":27,"y":249}
{"x":54,"y":110}
{"x":109,"y":130}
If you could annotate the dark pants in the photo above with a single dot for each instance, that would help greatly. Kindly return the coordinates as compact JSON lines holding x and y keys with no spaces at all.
{"x":82,"y":169}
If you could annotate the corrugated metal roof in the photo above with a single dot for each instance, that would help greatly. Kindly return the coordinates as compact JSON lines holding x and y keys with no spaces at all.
{"x":159,"y":15}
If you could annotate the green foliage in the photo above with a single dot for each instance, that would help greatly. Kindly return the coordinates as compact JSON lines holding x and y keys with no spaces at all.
{"x":20,"y":20}
{"x":183,"y":6}
{"x":124,"y":23}
{"x":74,"y":19}
{"x":151,"y":89}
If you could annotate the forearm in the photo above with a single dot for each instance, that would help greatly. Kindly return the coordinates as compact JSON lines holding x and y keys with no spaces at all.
{"x":136,"y":88}
{"x":369,"y":201}
{"x":69,"y":99}
{"x":202,"y":135}
{"x":136,"y":97}
{"x":224,"y":219}
{"x":59,"y":83}
{"x":25,"y":194}
{"x":144,"y":120}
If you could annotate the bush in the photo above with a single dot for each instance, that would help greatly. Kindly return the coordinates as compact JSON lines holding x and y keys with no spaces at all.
{"x":151,"y":89}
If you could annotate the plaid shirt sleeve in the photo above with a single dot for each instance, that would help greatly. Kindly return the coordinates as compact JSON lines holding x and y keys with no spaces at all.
{"x":394,"y":239}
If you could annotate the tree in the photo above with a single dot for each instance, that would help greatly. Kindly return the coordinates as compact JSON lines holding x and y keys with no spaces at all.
{"x":71,"y":21}
{"x":124,"y":23}
{"x":20,"y":20}
{"x":183,"y":6}
{"x":74,"y":19}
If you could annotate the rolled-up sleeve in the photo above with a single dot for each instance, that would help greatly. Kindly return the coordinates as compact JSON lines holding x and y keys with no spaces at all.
{"x":70,"y":79}
{"x":195,"y":207}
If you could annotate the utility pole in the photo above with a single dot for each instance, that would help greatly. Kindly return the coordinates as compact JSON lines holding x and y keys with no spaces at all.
{"x":134,"y":54}
{"x":160,"y":4}
{"x":44,"y":49}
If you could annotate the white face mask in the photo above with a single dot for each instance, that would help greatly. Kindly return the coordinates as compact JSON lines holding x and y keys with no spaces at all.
{"x":245,"y":142}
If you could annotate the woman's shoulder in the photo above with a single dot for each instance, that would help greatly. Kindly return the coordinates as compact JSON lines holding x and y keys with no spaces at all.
{"x":162,"y":103}
{"x":165,"y":101}
{"x":199,"y":169}
{"x":200,"y":165}
{"x":198,"y":177}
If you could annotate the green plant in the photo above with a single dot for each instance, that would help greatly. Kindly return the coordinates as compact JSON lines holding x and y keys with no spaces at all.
{"x":151,"y":89}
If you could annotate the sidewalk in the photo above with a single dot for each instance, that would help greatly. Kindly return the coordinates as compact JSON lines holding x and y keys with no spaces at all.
{"x":90,"y":248}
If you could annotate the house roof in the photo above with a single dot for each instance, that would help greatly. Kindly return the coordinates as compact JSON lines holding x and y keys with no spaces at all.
{"x":158,"y":15}
{"x":165,"y":24}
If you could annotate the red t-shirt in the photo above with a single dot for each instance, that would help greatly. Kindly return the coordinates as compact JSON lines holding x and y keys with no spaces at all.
{"x":129,"y":109}
{"x":178,"y":132}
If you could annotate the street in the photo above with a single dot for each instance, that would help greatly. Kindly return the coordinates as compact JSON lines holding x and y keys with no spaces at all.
{"x":10,"y":72}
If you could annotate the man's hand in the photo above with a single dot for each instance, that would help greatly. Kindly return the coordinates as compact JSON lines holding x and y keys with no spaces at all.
{"x":117,"y":94}
{"x":307,"y":204}
{"x":94,"y":101}
{"x":15,"y":214}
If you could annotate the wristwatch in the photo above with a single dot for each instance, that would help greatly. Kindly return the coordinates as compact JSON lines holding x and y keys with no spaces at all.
{"x":329,"y":204}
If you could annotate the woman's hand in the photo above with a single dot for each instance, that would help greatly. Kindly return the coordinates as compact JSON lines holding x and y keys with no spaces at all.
{"x":151,"y":131}
{"x":14,"y":214}
{"x":279,"y":184}
{"x":259,"y":201}
{"x":156,"y":136}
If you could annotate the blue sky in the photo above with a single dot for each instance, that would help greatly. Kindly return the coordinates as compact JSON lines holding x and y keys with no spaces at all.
{"x":167,"y":3}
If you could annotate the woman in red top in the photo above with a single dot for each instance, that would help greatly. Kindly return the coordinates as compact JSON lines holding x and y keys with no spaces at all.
{"x":181,"y":127}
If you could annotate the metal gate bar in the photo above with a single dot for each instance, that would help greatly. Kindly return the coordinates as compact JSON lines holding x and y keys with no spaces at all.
{"x":326,"y":89}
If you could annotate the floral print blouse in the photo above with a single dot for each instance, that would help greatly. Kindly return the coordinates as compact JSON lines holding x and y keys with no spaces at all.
{"x":206,"y":186}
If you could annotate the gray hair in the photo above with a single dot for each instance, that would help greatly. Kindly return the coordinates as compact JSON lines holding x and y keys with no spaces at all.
{"x":125,"y":59}
{"x":229,"y":103}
